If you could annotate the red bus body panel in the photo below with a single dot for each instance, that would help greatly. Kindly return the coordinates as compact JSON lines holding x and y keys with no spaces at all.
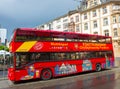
{"x":72,"y":66}
{"x":37,"y":46}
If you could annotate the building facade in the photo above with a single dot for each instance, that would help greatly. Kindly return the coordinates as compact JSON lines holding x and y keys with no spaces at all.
{"x":3,"y":36}
{"x":100,"y":17}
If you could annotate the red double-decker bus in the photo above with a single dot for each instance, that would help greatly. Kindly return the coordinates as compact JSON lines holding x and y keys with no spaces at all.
{"x":46,"y":54}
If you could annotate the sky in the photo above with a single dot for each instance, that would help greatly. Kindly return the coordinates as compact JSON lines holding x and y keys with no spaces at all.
{"x":31,"y":13}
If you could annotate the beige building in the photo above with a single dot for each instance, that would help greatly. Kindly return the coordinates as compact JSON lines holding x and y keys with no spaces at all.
{"x":93,"y":17}
{"x":101,"y":17}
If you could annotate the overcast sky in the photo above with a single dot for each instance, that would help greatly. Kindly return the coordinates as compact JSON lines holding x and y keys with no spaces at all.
{"x":30,"y":13}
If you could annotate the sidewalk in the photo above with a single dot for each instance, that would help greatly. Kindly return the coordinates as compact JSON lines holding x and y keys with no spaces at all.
{"x":5,"y":83}
{"x":3,"y":75}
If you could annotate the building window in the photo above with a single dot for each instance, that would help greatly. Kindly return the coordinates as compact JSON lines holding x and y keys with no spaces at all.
{"x":66,"y":30}
{"x":49,"y":26}
{"x":104,"y":10}
{"x":77,"y":18}
{"x":95,"y":24}
{"x":86,"y":26}
{"x":106,"y":32}
{"x":58,"y":27}
{"x":95,"y":33}
{"x":94,"y":13}
{"x":91,"y":3}
{"x":65,"y":20}
{"x":71,"y":19}
{"x":65,"y":25}
{"x":77,"y":28}
{"x":58,"y":21}
{"x":71,"y":26}
{"x":114,"y":19}
{"x":115,"y":32}
{"x":85,"y":16}
{"x":95,"y":2}
{"x":119,"y":18}
{"x":105,"y":21}
{"x":116,"y":7}
{"x":85,"y":4}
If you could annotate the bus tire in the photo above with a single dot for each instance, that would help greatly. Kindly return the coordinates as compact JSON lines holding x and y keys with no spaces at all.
{"x":98,"y":67}
{"x":46,"y":74}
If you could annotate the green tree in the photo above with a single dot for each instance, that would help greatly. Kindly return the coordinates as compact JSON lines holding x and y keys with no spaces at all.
{"x":4,"y":48}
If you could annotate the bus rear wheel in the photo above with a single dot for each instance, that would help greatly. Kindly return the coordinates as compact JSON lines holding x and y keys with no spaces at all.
{"x":46,"y":74}
{"x":98,"y":67}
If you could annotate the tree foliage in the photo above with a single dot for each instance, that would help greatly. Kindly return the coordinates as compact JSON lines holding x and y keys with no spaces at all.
{"x":4,"y":48}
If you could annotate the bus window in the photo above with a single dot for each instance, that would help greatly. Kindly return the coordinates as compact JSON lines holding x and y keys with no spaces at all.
{"x":60,"y":57}
{"x":81,"y":55}
{"x":32,"y":58}
{"x":110,"y":53}
{"x":18,"y":64}
{"x":53,"y":56}
{"x":44,"y":56}
{"x":38,"y":57}
{"x":10,"y":60}
{"x":72,"y":56}
{"x":77,"y":55}
{"x":21,"y":60}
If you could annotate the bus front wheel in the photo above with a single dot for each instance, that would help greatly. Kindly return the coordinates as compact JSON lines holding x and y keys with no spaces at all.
{"x":98,"y":67}
{"x":46,"y":74}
